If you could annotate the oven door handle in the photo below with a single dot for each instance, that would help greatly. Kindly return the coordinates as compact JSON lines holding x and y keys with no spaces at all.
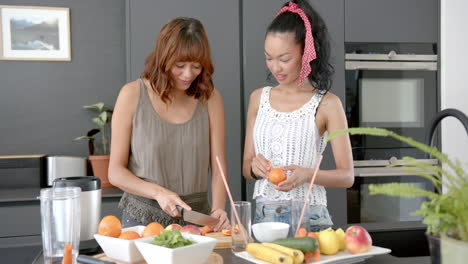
{"x":392,"y":65}
{"x":381,"y":171}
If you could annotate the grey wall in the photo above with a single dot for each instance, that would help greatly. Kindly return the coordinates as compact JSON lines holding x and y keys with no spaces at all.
{"x":40,"y":102}
{"x":221,"y":22}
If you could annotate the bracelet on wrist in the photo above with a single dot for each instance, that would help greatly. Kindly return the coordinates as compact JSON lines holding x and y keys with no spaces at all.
{"x":252,"y":174}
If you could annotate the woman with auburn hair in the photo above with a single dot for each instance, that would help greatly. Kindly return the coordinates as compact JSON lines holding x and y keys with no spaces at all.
{"x":286,"y":124}
{"x":167,"y":129}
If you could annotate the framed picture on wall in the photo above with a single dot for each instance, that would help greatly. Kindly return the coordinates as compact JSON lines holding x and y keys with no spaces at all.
{"x":35,"y":33}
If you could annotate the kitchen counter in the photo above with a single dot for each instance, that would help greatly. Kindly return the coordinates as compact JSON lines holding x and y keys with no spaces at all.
{"x":24,"y":249}
{"x":27,"y":255}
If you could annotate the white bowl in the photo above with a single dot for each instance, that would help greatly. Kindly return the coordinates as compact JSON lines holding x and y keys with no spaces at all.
{"x":270,"y":231}
{"x":194,"y":254}
{"x":121,"y":249}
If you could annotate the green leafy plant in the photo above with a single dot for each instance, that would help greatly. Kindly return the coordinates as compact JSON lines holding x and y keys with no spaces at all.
{"x":443,"y":212}
{"x":103,"y":118}
{"x":171,"y":239}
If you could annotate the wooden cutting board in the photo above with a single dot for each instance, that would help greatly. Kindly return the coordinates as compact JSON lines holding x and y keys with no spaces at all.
{"x":214,"y":258}
{"x":223,"y":241}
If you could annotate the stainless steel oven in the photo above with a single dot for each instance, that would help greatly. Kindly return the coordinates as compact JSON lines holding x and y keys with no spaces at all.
{"x":391,"y":86}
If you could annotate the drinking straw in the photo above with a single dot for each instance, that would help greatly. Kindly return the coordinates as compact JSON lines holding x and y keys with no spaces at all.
{"x":233,"y":207}
{"x":306,"y":199}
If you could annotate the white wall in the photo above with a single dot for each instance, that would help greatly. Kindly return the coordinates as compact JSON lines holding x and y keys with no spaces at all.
{"x":454,"y":75}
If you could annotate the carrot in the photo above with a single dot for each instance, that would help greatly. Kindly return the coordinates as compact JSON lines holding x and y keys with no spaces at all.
{"x":67,"y":254}
{"x":302,"y":232}
{"x":316,"y":255}
{"x":312,"y":256}
{"x":312,"y":234}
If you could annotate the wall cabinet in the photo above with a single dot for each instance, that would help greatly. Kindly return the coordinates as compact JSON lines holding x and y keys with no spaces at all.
{"x":391,"y":21}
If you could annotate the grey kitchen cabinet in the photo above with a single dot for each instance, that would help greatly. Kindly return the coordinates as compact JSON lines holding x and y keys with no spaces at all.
{"x":392,"y":21}
{"x":221,"y":21}
{"x":257,"y":14}
{"x":20,"y":219}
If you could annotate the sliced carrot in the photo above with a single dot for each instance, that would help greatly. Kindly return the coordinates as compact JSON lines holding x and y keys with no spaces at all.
{"x":226,"y":232}
{"x":206,"y":229}
{"x":67,"y":254}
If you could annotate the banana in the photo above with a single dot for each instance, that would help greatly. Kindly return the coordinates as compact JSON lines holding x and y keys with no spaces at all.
{"x":297,"y":255}
{"x":268,"y":254}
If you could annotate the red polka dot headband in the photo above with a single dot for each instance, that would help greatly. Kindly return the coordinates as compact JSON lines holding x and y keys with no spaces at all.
{"x":309,"y":48}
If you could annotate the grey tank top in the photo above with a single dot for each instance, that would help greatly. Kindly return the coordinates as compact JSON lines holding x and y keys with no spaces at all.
{"x":175,"y":156}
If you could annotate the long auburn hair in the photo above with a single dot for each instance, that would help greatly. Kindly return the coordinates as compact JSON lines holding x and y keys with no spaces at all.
{"x":182,"y":39}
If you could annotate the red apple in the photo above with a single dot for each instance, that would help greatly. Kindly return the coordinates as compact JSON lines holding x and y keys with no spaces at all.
{"x":357,"y":240}
{"x":173,"y":226}
{"x":191,"y":229}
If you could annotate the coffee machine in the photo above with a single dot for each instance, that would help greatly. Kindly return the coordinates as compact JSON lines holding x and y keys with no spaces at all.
{"x":90,"y":203}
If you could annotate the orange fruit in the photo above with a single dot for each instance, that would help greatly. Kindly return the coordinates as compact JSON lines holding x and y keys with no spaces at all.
{"x":129,"y":235}
{"x":110,"y":226}
{"x":152,"y":229}
{"x":276,"y":176}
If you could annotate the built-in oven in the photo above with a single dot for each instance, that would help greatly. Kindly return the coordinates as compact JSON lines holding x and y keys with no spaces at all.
{"x":392,"y":86}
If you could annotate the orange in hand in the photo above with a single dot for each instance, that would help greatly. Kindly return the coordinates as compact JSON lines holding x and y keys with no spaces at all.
{"x":152,"y":229}
{"x":129,"y":235}
{"x":110,"y":226}
{"x":276,"y":176}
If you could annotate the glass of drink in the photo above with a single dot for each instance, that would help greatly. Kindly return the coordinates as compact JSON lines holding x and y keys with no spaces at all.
{"x":296,"y":211}
{"x":60,"y":223}
{"x":243,"y":209}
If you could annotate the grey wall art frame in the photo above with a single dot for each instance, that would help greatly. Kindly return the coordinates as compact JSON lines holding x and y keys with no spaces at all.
{"x":35,"y":33}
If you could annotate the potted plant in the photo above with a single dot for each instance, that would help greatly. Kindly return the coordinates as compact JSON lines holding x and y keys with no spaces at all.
{"x":99,"y":147}
{"x":445,"y":212}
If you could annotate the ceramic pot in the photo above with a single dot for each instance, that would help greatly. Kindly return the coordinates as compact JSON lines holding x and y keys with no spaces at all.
{"x":100,"y":165}
{"x":453,"y":251}
{"x":434,"y":248}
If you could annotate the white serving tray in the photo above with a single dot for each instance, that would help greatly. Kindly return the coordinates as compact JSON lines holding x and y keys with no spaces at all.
{"x":341,"y":257}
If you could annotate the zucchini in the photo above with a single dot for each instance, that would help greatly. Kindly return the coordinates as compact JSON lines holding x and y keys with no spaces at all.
{"x":268,"y":254}
{"x":304,"y":244}
{"x":297,"y":255}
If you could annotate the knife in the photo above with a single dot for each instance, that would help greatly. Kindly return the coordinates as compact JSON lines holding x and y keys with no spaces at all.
{"x":90,"y":260}
{"x":196,"y":217}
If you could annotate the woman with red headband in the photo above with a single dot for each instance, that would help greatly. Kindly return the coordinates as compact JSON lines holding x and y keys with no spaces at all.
{"x":286,"y":124}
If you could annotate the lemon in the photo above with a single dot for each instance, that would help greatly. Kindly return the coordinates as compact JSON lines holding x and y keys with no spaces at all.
{"x":329,"y":242}
{"x":341,"y":236}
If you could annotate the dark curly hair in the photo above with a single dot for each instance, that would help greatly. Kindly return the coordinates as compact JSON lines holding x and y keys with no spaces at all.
{"x":322,"y":70}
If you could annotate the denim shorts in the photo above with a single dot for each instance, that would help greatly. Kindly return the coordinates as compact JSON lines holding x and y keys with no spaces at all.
{"x":318,"y":216}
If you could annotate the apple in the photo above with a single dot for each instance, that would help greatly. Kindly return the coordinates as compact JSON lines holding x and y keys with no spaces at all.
{"x":191,"y":229}
{"x":357,"y":240}
{"x":173,"y":226}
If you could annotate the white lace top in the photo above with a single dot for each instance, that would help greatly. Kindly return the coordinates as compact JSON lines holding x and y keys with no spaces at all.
{"x":288,"y":138}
